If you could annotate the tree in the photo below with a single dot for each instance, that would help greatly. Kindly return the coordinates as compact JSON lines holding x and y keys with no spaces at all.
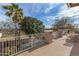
{"x":63,"y":23}
{"x":15,"y":13}
{"x":31,"y":25}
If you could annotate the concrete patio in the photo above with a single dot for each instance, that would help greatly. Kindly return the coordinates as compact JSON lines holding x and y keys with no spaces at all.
{"x":58,"y":47}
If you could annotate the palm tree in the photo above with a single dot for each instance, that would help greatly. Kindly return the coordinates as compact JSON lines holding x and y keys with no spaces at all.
{"x":15,"y":13}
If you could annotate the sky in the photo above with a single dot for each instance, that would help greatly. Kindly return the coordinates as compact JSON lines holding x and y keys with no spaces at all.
{"x":46,"y":12}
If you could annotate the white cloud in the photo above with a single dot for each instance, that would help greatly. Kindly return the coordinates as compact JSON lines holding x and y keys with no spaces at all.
{"x":4,"y":3}
{"x":73,"y":11}
{"x":51,"y":6}
{"x":49,"y":18}
{"x":1,"y":11}
{"x":69,"y":12}
{"x":47,"y":26}
{"x":62,"y":9}
{"x":3,"y":17}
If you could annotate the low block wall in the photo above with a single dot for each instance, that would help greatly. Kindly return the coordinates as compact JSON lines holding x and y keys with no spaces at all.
{"x":48,"y":37}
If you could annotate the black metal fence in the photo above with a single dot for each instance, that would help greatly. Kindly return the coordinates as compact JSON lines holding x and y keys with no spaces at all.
{"x":13,"y":46}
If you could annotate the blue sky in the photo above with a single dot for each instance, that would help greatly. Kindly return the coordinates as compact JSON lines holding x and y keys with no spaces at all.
{"x":46,"y":12}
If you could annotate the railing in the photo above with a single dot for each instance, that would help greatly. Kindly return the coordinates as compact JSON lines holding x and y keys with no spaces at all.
{"x":14,"y":46}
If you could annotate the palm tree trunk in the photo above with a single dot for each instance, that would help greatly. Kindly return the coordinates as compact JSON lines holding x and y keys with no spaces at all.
{"x":17,"y":37}
{"x":15,"y":31}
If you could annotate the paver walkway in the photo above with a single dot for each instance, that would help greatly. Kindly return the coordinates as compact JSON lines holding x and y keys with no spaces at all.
{"x":56,"y":48}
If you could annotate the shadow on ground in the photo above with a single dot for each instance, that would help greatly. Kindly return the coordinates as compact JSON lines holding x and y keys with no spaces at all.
{"x":32,"y":49}
{"x":75,"y":50}
{"x":75,"y":47}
